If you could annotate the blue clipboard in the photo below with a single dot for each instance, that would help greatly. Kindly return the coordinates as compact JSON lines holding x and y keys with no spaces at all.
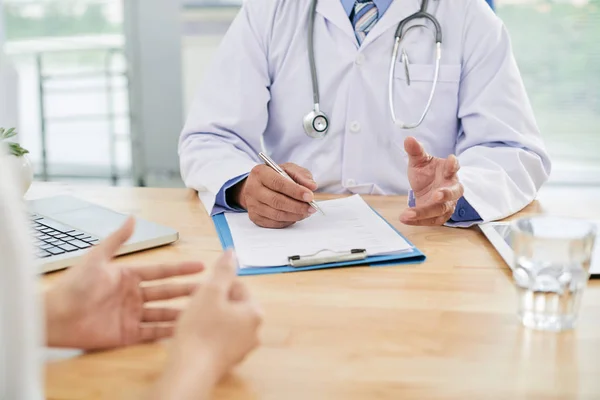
{"x":409,"y":257}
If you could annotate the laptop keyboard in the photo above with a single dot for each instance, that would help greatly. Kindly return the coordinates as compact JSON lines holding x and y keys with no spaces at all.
{"x":53,"y":238}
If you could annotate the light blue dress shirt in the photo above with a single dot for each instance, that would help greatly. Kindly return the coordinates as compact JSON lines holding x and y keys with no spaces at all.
{"x":382,"y":6}
{"x":464,"y":211}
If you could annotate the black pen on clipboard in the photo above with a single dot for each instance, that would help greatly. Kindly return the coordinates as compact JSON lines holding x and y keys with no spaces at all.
{"x":267,"y":160}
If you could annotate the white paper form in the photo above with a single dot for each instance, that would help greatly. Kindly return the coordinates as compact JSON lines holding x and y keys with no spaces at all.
{"x":349,"y":223}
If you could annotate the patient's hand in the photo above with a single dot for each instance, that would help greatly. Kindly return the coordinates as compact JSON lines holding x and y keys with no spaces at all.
{"x":96,"y":305}
{"x":217,"y":331}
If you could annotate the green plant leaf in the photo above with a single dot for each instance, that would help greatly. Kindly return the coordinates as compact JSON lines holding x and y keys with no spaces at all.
{"x":7,"y":134}
{"x":17,"y":150}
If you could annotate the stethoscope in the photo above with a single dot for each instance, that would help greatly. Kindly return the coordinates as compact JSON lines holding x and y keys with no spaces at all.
{"x":316,"y":122}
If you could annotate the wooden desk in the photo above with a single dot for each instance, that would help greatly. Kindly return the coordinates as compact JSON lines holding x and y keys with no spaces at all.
{"x":442,"y":329}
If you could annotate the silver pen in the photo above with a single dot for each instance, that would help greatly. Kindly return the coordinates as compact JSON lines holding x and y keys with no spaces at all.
{"x":267,"y":160}
{"x":406,"y":62}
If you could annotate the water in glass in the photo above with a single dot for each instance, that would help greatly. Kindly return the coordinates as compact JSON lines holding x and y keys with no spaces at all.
{"x":551,"y":269}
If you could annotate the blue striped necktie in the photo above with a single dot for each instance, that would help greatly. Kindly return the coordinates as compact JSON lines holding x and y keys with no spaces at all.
{"x":364,"y":17}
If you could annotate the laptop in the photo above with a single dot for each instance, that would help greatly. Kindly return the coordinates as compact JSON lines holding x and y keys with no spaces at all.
{"x":498,"y":233}
{"x":65,"y":227}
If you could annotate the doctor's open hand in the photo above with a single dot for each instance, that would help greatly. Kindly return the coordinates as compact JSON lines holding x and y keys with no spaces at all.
{"x":272,"y":201}
{"x":435,"y":184}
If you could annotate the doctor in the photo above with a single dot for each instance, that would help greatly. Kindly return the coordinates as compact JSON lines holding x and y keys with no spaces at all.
{"x":365,"y":96}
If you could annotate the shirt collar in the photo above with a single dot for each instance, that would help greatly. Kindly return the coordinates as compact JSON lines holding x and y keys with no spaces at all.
{"x":382,"y":6}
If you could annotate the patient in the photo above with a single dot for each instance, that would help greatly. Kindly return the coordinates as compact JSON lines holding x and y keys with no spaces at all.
{"x":97,"y":306}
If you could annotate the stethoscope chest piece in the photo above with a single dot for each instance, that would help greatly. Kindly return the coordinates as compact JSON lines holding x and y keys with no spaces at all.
{"x":316,"y":124}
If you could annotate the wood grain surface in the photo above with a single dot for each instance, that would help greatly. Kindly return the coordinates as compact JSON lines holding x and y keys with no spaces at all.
{"x":444,"y":329}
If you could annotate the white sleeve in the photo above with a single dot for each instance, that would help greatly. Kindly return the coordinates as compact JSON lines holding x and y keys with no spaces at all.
{"x":21,"y":338}
{"x":500,"y":149}
{"x":222,"y":135}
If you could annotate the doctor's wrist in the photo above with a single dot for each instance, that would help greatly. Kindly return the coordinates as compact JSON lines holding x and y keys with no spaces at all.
{"x":234,"y":195}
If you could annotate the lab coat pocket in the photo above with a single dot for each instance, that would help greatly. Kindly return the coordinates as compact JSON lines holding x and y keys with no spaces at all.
{"x":412,"y":88}
{"x":449,"y":73}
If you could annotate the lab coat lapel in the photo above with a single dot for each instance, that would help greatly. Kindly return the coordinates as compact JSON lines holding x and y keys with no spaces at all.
{"x":398,"y":10}
{"x":333,"y":11}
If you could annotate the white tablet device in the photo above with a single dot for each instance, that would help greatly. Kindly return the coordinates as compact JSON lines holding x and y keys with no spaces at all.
{"x":498,"y":233}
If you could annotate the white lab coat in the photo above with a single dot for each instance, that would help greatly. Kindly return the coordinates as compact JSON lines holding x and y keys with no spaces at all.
{"x":259,"y":85}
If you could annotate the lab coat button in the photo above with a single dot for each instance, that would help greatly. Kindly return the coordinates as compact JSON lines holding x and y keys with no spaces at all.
{"x":350,"y":182}
{"x":461,"y":212}
{"x":355,"y":126}
{"x":360,"y":59}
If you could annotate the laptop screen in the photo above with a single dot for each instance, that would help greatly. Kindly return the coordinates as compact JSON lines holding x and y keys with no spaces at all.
{"x":504,"y":231}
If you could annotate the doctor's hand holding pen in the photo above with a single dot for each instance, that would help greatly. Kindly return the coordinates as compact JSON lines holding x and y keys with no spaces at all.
{"x":435,"y":185}
{"x":272,"y":200}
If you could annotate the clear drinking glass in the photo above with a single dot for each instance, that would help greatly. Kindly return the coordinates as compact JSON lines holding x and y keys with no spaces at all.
{"x":551,"y":269}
